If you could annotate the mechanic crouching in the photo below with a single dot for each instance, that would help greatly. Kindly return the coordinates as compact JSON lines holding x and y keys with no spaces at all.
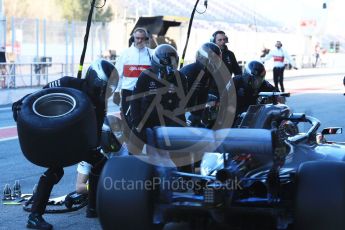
{"x":157,"y":96}
{"x":201,"y":84}
{"x":96,"y":84}
{"x":249,"y":85}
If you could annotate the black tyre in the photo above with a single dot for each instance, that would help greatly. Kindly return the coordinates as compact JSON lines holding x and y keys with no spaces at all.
{"x":320,"y":203}
{"x":57,"y":127}
{"x":125,"y":195}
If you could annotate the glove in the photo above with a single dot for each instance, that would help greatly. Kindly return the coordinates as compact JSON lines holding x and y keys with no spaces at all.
{"x":194,"y":120}
{"x":109,"y":143}
{"x":117,"y":98}
{"x":16,"y":107}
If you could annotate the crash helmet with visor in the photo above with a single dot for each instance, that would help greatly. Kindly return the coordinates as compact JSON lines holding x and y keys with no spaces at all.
{"x":254,"y":74}
{"x":165,"y":60}
{"x":100,"y":78}
{"x":210,"y":56}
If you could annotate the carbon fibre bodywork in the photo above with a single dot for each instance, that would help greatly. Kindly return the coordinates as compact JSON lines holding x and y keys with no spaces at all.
{"x":266,"y":174}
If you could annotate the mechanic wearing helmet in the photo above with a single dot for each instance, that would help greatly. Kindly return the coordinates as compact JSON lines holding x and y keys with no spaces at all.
{"x":249,"y":85}
{"x":100,"y":76}
{"x":157,"y":95}
{"x":208,"y":61}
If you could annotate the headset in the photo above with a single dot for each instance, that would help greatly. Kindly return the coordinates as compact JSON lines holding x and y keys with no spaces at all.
{"x":213,"y":38}
{"x":140,"y":29}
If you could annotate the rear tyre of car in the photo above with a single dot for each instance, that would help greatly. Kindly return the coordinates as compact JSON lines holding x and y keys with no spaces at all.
{"x":125,"y":194}
{"x":57,"y":127}
{"x":320,"y":200}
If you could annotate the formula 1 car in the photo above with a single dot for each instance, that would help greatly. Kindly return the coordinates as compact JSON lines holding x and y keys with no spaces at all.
{"x":263,"y":175}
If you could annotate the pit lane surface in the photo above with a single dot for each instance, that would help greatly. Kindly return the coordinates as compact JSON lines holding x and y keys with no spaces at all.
{"x":319,"y":96}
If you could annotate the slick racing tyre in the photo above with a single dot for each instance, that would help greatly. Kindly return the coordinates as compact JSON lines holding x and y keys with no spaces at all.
{"x":320,"y":203}
{"x":57,"y":127}
{"x":125,"y":194}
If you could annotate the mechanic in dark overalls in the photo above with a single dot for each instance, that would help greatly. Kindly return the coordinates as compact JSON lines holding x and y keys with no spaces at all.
{"x":96,"y":85}
{"x":208,"y":61}
{"x":249,"y":85}
{"x":220,"y":39}
{"x":158,"y":95}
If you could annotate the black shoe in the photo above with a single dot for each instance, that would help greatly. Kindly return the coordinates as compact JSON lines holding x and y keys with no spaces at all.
{"x":36,"y":221}
{"x":91,"y":213}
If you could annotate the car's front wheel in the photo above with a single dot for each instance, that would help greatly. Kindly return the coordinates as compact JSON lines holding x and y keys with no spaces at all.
{"x":320,"y":200}
{"x":125,"y":194}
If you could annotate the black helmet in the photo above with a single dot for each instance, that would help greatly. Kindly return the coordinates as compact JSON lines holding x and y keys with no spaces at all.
{"x":254,"y":74}
{"x":100,"y":77}
{"x":210,"y":55}
{"x":165,"y":59}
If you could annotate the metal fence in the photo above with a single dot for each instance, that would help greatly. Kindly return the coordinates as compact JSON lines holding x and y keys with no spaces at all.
{"x":15,"y":75}
{"x":29,"y":42}
{"x":33,"y":40}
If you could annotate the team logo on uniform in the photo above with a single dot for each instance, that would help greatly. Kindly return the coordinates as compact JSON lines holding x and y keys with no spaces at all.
{"x":152,"y":84}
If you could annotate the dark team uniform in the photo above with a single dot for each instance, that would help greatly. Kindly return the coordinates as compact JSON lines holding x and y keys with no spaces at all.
{"x":157,"y":98}
{"x":246,"y":95}
{"x":230,"y":61}
{"x":201,"y":89}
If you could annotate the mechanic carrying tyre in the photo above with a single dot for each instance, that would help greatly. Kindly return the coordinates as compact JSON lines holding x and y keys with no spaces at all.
{"x":63,"y":102}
